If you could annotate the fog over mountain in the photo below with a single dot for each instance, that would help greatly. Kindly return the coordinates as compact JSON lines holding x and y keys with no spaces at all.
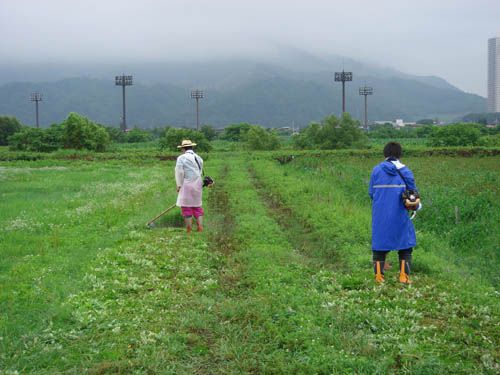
{"x":292,"y":87}
{"x":446,"y":38}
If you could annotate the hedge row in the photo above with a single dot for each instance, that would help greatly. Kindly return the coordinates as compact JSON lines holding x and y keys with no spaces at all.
{"x":282,"y":156}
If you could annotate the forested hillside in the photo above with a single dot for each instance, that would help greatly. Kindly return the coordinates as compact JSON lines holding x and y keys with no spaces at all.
{"x":298,"y":90}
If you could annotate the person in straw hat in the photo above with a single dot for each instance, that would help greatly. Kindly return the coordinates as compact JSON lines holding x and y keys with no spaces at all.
{"x":188,"y":172}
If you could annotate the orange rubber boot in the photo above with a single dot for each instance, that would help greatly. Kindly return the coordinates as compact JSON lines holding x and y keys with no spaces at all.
{"x":379,"y":276}
{"x":404,"y":278}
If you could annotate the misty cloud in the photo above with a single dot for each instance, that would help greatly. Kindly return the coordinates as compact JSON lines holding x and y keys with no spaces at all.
{"x":444,"y":38}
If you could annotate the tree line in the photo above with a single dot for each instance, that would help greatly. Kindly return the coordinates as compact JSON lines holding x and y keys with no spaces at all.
{"x":80,"y":133}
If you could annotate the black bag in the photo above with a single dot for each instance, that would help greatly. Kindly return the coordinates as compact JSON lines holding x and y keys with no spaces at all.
{"x":411,"y":198}
{"x":207,"y":180}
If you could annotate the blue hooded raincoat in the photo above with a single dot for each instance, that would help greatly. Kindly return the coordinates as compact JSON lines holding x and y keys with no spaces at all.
{"x":392,"y":228}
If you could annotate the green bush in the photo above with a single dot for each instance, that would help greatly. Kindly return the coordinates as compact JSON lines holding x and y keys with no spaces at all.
{"x":258,"y":138}
{"x":174,"y":136}
{"x":8,"y":126}
{"x":387,"y":131}
{"x":76,"y":132}
{"x":491,"y":140}
{"x":332,"y":133}
{"x":37,"y":140}
{"x":455,"y":135}
{"x":81,"y":133}
{"x":235,"y":132}
{"x":137,"y":135}
{"x":116,"y":134}
{"x":209,"y":132}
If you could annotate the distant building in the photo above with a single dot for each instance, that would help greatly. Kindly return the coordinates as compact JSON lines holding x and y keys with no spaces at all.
{"x":398,"y":123}
{"x":494,"y":74}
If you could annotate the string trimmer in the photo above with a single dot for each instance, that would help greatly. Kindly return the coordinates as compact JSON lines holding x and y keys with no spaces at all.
{"x":150,"y":223}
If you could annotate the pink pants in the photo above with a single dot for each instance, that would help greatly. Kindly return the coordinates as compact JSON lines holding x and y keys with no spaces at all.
{"x":192,"y":211}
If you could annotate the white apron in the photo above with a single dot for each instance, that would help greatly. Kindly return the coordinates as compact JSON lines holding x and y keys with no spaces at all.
{"x":188,"y":177}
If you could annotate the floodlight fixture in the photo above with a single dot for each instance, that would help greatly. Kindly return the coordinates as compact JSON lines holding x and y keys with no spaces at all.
{"x":123,"y":81}
{"x":197,"y":94}
{"x":365,"y":91}
{"x":343,"y":77}
{"x":36,"y":97}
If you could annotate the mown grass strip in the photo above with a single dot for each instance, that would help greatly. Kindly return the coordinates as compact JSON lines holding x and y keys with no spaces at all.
{"x":301,"y":233}
{"x":137,"y":313}
{"x":434,"y":300}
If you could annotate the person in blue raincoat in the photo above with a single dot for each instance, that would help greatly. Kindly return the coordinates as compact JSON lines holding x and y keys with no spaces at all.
{"x":392,"y":228}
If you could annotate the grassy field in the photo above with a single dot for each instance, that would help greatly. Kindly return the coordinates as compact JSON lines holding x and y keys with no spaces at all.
{"x":279,"y":283}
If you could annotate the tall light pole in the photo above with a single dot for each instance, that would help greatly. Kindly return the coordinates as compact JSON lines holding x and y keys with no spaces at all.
{"x":197,"y":94}
{"x":123,"y":81}
{"x":366,"y":91}
{"x":343,"y":77}
{"x":36,"y":97}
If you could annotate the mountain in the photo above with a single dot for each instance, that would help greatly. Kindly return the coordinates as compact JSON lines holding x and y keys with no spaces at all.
{"x":291,"y":87}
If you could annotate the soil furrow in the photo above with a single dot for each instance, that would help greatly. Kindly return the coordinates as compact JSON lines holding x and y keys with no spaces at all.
{"x":300,"y":232}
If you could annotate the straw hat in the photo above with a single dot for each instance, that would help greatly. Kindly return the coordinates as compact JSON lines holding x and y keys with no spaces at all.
{"x":186,"y":143}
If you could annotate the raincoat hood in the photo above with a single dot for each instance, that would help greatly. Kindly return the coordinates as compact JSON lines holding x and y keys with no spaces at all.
{"x":390,"y":166}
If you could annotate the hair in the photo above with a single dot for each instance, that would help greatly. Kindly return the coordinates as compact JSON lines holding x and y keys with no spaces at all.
{"x":393,"y":149}
{"x":188,"y":148}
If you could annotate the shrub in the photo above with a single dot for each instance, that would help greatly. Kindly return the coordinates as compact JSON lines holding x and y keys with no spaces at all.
{"x":76,"y":132}
{"x":8,"y":126}
{"x":235,"y":132}
{"x":81,"y":133}
{"x":174,"y":136}
{"x":116,"y":134}
{"x":137,"y":135}
{"x":37,"y":140}
{"x":491,"y":140}
{"x":455,"y":135}
{"x":209,"y":132}
{"x":258,"y":138}
{"x":332,"y":133}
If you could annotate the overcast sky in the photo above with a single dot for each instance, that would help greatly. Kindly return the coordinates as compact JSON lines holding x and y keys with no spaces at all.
{"x":446,"y":38}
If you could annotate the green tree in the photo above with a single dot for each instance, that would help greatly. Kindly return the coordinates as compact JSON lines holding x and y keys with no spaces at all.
{"x":258,"y":138}
{"x":159,"y":131}
{"x":424,"y":131}
{"x":235,"y":132}
{"x":116,"y":134}
{"x":81,"y":133}
{"x":307,"y":138}
{"x":174,"y":136}
{"x":332,"y":133}
{"x":491,"y":140}
{"x":209,"y":132}
{"x":455,"y":135}
{"x":8,"y":126}
{"x":426,"y":121}
{"x":137,"y":135}
{"x":37,"y":140}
